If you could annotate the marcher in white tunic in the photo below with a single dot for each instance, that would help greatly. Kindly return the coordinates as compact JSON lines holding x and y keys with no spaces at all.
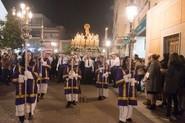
{"x":26,"y":91}
{"x":126,"y":95}
{"x":45,"y":76}
{"x":102,"y":82}
{"x":72,"y":84}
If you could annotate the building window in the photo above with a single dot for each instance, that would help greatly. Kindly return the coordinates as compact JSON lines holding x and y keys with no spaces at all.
{"x":172,"y":44}
{"x":36,"y":33}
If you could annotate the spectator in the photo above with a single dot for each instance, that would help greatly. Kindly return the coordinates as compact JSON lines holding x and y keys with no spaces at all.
{"x":6,"y":69}
{"x":181,"y":96}
{"x":139,"y":72}
{"x":53,"y":72}
{"x":164,"y":67}
{"x":171,"y":85}
{"x":154,"y":81}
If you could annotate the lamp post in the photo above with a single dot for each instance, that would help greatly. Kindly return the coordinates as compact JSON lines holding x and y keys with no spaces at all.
{"x":106,"y":33}
{"x":131,"y":12}
{"x":108,"y":44}
{"x":54,"y":46}
{"x":24,"y":14}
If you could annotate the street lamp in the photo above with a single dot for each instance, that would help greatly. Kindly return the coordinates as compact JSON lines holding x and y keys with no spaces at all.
{"x":55,"y":50}
{"x":54,"y":45}
{"x":108,"y":45}
{"x":103,"y":50}
{"x":25,"y":15}
{"x":28,"y":45}
{"x":131,"y":12}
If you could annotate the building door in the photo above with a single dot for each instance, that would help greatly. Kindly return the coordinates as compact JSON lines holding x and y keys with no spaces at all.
{"x":172,"y":44}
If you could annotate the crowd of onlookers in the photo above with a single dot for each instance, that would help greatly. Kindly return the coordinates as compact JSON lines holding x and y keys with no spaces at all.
{"x":165,"y":80}
{"x":7,"y":62}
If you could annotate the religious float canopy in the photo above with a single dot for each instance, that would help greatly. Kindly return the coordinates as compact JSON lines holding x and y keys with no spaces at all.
{"x":87,"y":41}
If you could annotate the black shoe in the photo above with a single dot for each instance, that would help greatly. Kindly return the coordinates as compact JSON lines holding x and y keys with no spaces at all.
{"x":173,"y":118}
{"x":30,"y":116}
{"x":168,"y":115}
{"x":129,"y":120}
{"x":68,"y":105}
{"x":103,"y":97}
{"x":99,"y":98}
{"x":42,"y":96}
{"x":152,"y":107}
{"x":181,"y":112}
{"x":21,"y":119}
{"x":38,"y":99}
{"x":8,"y":84}
{"x":74,"y":103}
{"x":122,"y":122}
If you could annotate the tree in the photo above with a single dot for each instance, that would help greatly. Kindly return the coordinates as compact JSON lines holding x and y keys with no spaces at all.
{"x":11,"y":33}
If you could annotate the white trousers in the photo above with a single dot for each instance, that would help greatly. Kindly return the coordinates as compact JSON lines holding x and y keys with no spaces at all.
{"x":125,"y":112}
{"x":38,"y":88}
{"x":28,"y":108}
{"x":43,"y":88}
{"x":72,"y":97}
{"x":102,"y":92}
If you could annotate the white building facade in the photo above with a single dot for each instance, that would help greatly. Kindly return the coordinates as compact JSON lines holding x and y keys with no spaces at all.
{"x":121,"y":26}
{"x":3,"y":12}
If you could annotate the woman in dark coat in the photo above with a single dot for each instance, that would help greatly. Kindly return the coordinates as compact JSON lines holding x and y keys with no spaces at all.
{"x":181,"y":93}
{"x":172,"y":83}
{"x":153,"y":77}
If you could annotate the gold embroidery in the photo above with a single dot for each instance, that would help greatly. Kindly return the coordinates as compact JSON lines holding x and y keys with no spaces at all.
{"x":20,"y":89}
{"x":119,"y":81}
{"x":71,"y":88}
{"x":28,"y":95}
{"x":124,"y":89}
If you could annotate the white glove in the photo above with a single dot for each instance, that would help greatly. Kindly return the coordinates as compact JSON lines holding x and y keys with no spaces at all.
{"x":21,"y":79}
{"x":133,"y":81}
{"x":28,"y":75}
{"x":44,"y":63}
{"x":40,"y":74}
{"x":127,"y":77}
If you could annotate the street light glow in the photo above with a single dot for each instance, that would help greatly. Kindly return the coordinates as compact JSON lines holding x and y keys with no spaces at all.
{"x":28,"y":45}
{"x":19,"y":14}
{"x":54,"y":44}
{"x":22,"y":5}
{"x":39,"y":49}
{"x":108,"y":43}
{"x":30,"y":15}
{"x":13,"y":11}
{"x":103,"y":50}
{"x":55,"y":50}
{"x":131,"y":12}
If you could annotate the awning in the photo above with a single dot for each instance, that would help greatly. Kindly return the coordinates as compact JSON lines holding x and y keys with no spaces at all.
{"x":141,"y":27}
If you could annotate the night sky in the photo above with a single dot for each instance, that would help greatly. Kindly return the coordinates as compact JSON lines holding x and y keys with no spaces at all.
{"x":72,"y":14}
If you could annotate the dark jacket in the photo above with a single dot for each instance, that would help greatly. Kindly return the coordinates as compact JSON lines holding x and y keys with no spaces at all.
{"x":173,"y":79}
{"x":154,"y":84}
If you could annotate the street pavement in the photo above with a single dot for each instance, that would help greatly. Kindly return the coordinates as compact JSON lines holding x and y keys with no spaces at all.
{"x":52,"y":108}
